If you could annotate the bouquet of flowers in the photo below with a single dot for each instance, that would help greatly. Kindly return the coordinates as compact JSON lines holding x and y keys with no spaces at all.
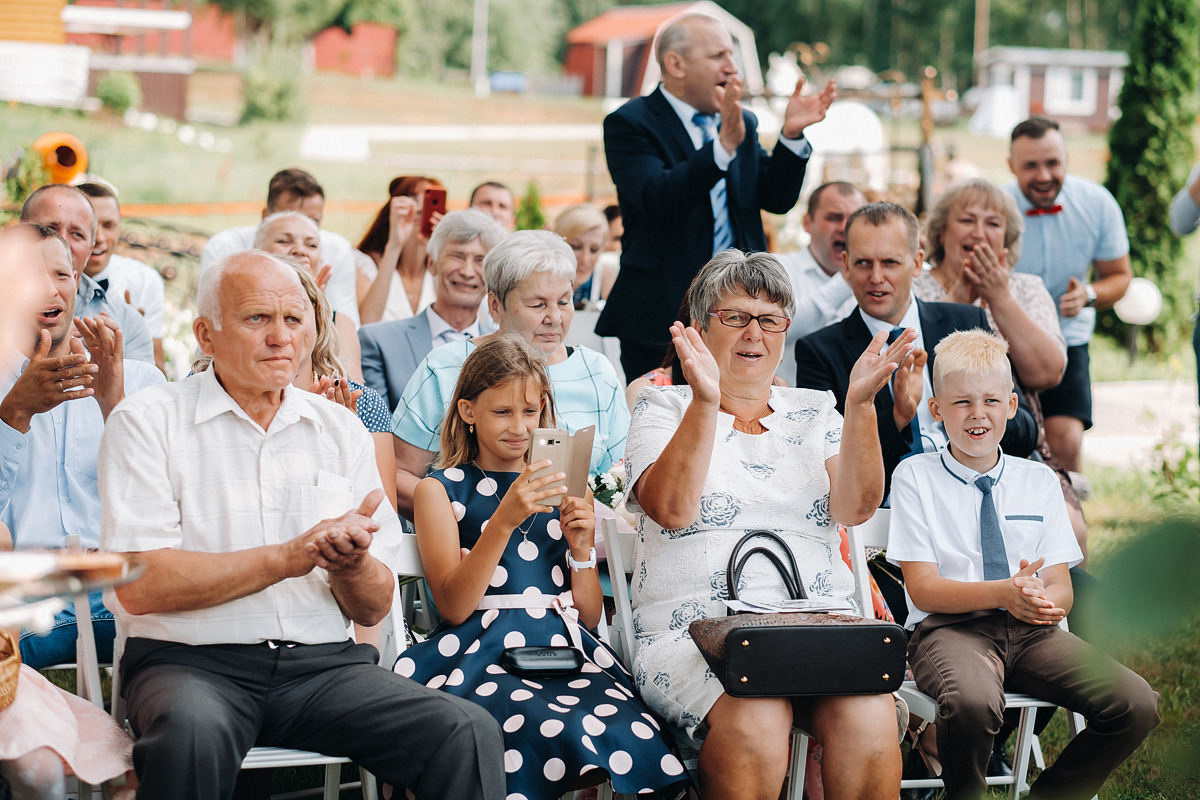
{"x":609,"y":487}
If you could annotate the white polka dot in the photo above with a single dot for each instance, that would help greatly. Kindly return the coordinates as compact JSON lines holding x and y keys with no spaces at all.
{"x":580,"y":683}
{"x":625,"y":691}
{"x":448,"y":645}
{"x":605,"y":710}
{"x":486,"y":689}
{"x":515,"y":796}
{"x":587,"y":768}
{"x":528,"y":551}
{"x":498,"y":579}
{"x":653,"y":722}
{"x":483,"y":527}
{"x":474,"y":647}
{"x":603,"y":658}
{"x":495,"y":669}
{"x":551,"y":728}
{"x":554,"y":529}
{"x":642,"y":730}
{"x":555,"y":769}
{"x":436,"y":682}
{"x":567,"y":700}
{"x":614,"y":694}
{"x":556,"y":575}
{"x":533,"y":595}
{"x":456,"y":677}
{"x":454,"y":474}
{"x":558,"y":709}
{"x":587,"y":742}
{"x":514,"y":639}
{"x":536,"y":613}
{"x":620,"y":762}
{"x":486,"y":487}
{"x":537,"y":687}
{"x":489,"y":617}
{"x":519,"y":695}
{"x":405,"y":667}
{"x":459,"y":509}
{"x":593,"y":726}
{"x":558,"y":640}
{"x":671,"y":765}
{"x":514,"y":723}
{"x":512,"y":760}
{"x":591,"y":668}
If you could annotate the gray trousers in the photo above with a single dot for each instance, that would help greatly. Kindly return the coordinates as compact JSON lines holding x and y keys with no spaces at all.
{"x":197,"y":710}
{"x":967,"y":661}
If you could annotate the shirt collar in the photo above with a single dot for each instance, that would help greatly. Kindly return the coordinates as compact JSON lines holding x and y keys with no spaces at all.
{"x":438,"y":326}
{"x":88,"y":288}
{"x":213,"y":401}
{"x":912,"y":319}
{"x":685,"y":110}
{"x":965,"y":473}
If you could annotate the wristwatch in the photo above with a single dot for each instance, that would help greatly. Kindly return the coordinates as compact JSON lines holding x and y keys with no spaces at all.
{"x":578,"y":565}
{"x":1090,"y":291}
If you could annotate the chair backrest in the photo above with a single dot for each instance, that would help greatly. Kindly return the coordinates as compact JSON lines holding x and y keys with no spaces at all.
{"x":872,"y":533}
{"x":619,"y":546}
{"x":583,"y":332}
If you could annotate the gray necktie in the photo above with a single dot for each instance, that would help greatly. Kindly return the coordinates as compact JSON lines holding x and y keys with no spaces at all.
{"x":991,"y":541}
{"x":722,"y":229}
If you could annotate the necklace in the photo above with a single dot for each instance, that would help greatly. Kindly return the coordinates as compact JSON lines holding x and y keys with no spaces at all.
{"x":523,"y":531}
{"x":749,"y":424}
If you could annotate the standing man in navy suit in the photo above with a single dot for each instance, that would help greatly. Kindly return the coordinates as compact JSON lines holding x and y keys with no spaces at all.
{"x":691,"y":179}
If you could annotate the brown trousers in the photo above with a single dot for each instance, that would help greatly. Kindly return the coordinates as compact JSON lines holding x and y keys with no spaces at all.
{"x":967,"y":661}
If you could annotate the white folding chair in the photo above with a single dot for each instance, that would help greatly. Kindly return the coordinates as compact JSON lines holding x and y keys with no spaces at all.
{"x":874,"y":533}
{"x":583,"y":333}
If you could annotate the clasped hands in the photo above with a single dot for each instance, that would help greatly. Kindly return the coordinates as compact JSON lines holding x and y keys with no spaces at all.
{"x":1028,"y":601}
{"x":339,"y":545}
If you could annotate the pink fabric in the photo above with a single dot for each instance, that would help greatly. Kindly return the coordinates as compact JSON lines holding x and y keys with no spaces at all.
{"x":42,"y":715}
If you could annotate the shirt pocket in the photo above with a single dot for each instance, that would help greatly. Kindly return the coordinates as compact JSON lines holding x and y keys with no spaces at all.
{"x":305,"y":506}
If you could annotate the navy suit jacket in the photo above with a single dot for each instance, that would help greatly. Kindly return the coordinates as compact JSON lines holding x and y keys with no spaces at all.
{"x":663,"y":184}
{"x":824,"y":360}
{"x":392,"y":350}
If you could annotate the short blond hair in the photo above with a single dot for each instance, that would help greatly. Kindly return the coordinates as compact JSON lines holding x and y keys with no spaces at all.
{"x":975,"y":352}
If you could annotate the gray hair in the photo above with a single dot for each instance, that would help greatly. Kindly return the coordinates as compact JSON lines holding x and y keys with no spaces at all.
{"x":260,"y":233}
{"x":754,"y":274}
{"x":964,"y":193}
{"x":676,"y":37}
{"x":509,"y":263}
{"x":208,"y":290}
{"x":461,"y":227}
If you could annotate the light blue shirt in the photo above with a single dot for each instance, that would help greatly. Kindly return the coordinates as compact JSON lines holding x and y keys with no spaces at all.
{"x":48,"y":484}
{"x":586,"y":392}
{"x":1058,"y":247}
{"x":91,"y":300}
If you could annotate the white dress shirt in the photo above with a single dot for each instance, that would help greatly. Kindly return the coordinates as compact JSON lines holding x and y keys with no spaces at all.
{"x":935,"y":517}
{"x":145,"y":287}
{"x":933,"y":434}
{"x":183,"y":466}
{"x":821,"y":299}
{"x":336,"y":251}
{"x":442,"y":332}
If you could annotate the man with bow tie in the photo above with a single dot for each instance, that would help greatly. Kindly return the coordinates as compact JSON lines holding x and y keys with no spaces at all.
{"x":1072,"y":225}
{"x":691,"y":179}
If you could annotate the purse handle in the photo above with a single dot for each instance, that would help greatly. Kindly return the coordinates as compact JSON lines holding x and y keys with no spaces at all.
{"x":791,"y":578}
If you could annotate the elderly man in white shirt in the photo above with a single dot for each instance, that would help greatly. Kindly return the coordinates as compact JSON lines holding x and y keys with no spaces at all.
{"x":822,"y":295}
{"x":257,"y":510}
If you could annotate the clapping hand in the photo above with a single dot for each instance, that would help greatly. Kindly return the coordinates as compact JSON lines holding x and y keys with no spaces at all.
{"x":874,"y":368}
{"x":698,"y":365}
{"x":46,"y":382}
{"x":986,"y":272}
{"x":803,"y":111}
{"x":733,"y":125}
{"x":1028,"y":601}
{"x":104,"y":343}
{"x":341,"y":544}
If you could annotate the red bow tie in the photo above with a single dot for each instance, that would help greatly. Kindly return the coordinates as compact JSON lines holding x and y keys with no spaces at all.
{"x":1038,"y":212}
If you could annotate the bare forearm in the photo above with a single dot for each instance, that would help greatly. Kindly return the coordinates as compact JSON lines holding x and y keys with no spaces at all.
{"x":186,"y":580}
{"x":1034,"y":352}
{"x":938,"y":595}
{"x":589,"y":597}
{"x":669,"y":490}
{"x":406,"y":486}
{"x":857,"y":488}
{"x":1111,"y":280}
{"x":365,"y":593}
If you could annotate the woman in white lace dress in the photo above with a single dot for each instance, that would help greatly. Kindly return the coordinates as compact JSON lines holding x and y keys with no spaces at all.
{"x":731,"y":453}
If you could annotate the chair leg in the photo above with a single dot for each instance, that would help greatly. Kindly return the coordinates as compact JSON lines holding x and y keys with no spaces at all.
{"x":333,"y":781}
{"x":370,"y":788}
{"x":799,"y":762}
{"x":1023,"y":752}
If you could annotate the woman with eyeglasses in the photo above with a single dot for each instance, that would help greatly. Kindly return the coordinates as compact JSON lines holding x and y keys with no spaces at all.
{"x":730,"y":453}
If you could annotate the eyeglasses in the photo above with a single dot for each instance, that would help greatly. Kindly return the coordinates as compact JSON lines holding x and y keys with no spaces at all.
{"x":770,"y":323}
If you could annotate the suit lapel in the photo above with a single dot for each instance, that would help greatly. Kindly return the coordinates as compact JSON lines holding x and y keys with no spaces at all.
{"x":858,"y":336}
{"x":669,"y":122}
{"x":933,"y":328}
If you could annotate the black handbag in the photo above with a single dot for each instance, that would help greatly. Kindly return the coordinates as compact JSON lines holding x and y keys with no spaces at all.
{"x":797,"y":654}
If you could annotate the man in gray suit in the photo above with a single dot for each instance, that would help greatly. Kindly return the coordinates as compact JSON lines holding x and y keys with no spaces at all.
{"x":391,"y":351}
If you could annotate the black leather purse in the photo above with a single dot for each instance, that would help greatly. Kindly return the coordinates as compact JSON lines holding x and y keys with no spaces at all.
{"x":797,"y":654}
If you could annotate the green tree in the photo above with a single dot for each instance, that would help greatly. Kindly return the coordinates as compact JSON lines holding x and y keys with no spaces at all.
{"x":530,"y":216}
{"x":1152,"y":150}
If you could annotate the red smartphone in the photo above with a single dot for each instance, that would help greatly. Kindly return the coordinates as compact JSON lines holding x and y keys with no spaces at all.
{"x":434,"y":203}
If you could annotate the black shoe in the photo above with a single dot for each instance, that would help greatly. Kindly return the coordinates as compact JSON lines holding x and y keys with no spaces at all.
{"x":915,"y":769}
{"x":998,"y":764}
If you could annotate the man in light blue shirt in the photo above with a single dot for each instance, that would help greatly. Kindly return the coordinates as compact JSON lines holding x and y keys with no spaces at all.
{"x":69,"y":212}
{"x":57,"y":396}
{"x":1072,"y":226}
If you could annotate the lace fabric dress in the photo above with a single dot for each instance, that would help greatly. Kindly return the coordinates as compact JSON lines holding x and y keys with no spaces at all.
{"x":555,"y":729}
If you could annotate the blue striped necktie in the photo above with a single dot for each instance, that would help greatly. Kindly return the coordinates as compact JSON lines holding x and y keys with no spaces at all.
{"x":991,"y":540}
{"x":722,"y":230}
{"x":918,"y":443}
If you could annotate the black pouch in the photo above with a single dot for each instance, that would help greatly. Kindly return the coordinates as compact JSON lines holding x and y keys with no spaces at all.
{"x":542,"y":662}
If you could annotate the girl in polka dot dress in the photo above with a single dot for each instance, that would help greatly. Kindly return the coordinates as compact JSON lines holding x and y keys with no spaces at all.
{"x":506,"y":570}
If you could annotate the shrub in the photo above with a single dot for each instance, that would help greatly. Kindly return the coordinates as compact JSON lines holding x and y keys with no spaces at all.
{"x":119,"y":92}
{"x":530,"y":216}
